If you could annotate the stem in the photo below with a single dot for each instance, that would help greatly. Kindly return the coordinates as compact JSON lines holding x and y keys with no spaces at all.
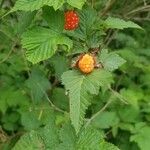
{"x":118,"y":96}
{"x":51,"y":103}
{"x":108,"y":6}
{"x":8,"y":55}
{"x":99,"y":112}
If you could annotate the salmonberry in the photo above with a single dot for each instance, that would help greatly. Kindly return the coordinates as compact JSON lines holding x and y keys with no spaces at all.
{"x":86,"y":63}
{"x":71,"y":20}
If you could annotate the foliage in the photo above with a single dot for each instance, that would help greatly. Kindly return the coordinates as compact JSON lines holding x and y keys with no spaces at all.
{"x":47,"y":103}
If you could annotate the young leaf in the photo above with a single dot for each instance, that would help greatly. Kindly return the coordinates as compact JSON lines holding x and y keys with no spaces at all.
{"x":117,"y":23}
{"x":41,"y":43}
{"x":27,"y":5}
{"x":79,"y":86}
{"x":111,"y":61}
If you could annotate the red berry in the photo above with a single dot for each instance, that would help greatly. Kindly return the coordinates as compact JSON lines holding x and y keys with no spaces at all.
{"x":71,"y":20}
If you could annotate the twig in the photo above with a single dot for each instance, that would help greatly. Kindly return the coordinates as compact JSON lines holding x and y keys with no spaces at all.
{"x":144,"y":1}
{"x":8,"y":55}
{"x":92,"y":3}
{"x":52,"y":105}
{"x":143,"y":8}
{"x":108,"y":7}
{"x":118,"y":95}
{"x":99,"y":112}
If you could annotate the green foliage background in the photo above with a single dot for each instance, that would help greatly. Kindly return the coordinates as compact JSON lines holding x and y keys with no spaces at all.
{"x":45,"y":104}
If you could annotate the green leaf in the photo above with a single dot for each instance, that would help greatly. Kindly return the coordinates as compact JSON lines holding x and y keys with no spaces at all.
{"x":78,"y":3}
{"x":46,"y":138}
{"x":60,"y":99}
{"x":42,"y":43}
{"x":79,"y":86}
{"x":59,"y":66}
{"x":89,"y":139}
{"x":107,"y":146}
{"x":67,"y":137}
{"x":117,"y":23}
{"x":131,"y":96}
{"x":30,"y":141}
{"x":142,"y":138}
{"x":38,"y":84}
{"x":129,"y":114}
{"x":105,"y":120}
{"x":10,"y":97}
{"x":49,"y":135}
{"x":55,"y":19}
{"x":111,"y":61}
{"x":28,"y":5}
{"x":30,"y":120}
{"x":24,"y":20}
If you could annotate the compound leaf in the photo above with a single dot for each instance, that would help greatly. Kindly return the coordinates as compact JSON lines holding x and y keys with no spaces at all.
{"x":79,"y":87}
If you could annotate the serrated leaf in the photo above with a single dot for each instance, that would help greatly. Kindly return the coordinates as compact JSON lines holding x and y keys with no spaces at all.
{"x":107,"y":146}
{"x":55,"y":19}
{"x":27,"y":5}
{"x":38,"y":84}
{"x":111,"y":61}
{"x":30,"y":141}
{"x":41,"y":43}
{"x":67,"y":137}
{"x":89,"y":139}
{"x":45,"y":138}
{"x":78,"y":3}
{"x":79,"y":86}
{"x":117,"y":23}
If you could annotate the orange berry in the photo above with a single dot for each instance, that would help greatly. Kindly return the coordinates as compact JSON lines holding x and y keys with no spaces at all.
{"x":86,"y":63}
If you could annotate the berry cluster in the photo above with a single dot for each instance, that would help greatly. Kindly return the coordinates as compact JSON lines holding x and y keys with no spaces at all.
{"x":71,"y":20}
{"x":87,"y":63}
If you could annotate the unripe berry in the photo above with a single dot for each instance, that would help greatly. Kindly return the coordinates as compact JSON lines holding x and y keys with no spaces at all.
{"x":86,"y":64}
{"x":71,"y":20}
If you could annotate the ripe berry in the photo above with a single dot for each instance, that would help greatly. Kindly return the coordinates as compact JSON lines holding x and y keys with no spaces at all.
{"x":71,"y":20}
{"x":87,"y":63}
